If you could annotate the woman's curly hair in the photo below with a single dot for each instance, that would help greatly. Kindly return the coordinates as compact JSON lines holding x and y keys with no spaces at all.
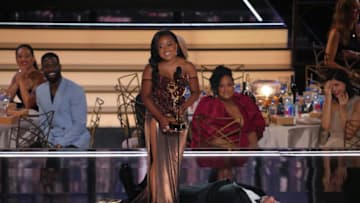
{"x":218,"y":73}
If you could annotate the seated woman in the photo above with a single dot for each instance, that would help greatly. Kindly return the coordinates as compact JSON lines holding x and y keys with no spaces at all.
{"x":225,"y":120}
{"x":341,"y":104}
{"x":26,"y":79}
{"x":343,"y":43}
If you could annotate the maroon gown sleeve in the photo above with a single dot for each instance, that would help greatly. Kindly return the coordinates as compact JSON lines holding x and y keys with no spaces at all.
{"x":254,"y":119}
{"x":198,"y":128}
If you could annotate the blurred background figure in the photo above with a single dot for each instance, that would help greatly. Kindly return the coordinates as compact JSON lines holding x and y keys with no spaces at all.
{"x":343,"y":45}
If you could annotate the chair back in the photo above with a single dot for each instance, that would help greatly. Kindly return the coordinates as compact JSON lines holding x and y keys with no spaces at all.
{"x":205,"y":71}
{"x":315,"y":73}
{"x":95,"y":119}
{"x":355,"y":73}
{"x":128,"y":88}
{"x":352,"y":66}
{"x":33,"y":130}
{"x":319,"y":54}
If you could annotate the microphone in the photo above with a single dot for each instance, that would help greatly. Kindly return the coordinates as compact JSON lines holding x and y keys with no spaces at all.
{"x":177,"y":74}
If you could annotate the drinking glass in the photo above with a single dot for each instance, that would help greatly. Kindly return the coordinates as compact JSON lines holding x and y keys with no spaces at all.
{"x":4,"y":102}
{"x":283,"y":84}
{"x":307,"y":101}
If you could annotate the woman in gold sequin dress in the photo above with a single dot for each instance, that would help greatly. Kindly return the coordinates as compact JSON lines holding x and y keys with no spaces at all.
{"x":163,"y":83}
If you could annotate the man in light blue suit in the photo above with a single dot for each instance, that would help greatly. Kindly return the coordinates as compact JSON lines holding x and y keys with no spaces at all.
{"x":67,"y":100}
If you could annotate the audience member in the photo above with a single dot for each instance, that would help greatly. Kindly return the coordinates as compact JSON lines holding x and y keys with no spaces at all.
{"x":26,"y":79}
{"x":341,"y":104}
{"x":344,"y":38}
{"x":226,"y":120}
{"x":67,"y":100}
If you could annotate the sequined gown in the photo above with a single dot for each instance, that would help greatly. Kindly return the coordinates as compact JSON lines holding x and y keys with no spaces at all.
{"x":169,"y":147}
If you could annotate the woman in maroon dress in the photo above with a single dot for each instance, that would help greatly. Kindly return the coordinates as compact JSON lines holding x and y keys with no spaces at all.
{"x":226,"y":120}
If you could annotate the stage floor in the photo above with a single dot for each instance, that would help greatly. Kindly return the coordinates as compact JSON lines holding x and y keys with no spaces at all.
{"x":91,"y":176}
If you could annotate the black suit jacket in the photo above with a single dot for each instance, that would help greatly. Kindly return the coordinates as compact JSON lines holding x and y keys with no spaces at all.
{"x":223,"y":191}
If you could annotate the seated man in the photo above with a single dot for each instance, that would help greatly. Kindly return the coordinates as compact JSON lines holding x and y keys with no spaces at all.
{"x":68,"y":102}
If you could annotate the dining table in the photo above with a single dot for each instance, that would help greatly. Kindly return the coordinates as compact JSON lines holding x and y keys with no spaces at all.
{"x":304,"y":133}
{"x":9,"y":124}
{"x":7,"y":128}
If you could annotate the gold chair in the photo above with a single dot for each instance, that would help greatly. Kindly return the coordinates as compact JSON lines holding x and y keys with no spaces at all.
{"x":205,"y":79}
{"x":354,"y":73}
{"x":351,"y":63}
{"x":315,"y":73}
{"x":32,"y":130}
{"x":95,"y":119}
{"x":128,"y":88}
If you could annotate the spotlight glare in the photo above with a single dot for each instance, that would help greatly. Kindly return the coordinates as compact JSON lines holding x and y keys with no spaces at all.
{"x":253,"y":11}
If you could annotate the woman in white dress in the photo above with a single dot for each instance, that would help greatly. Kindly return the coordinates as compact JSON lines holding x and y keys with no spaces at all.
{"x":341,"y":104}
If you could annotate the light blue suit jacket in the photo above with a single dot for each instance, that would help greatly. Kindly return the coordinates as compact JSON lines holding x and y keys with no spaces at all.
{"x":69,"y":105}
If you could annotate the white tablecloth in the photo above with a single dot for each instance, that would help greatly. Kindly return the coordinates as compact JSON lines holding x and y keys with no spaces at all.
{"x":5,"y":132}
{"x":297,"y":136}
